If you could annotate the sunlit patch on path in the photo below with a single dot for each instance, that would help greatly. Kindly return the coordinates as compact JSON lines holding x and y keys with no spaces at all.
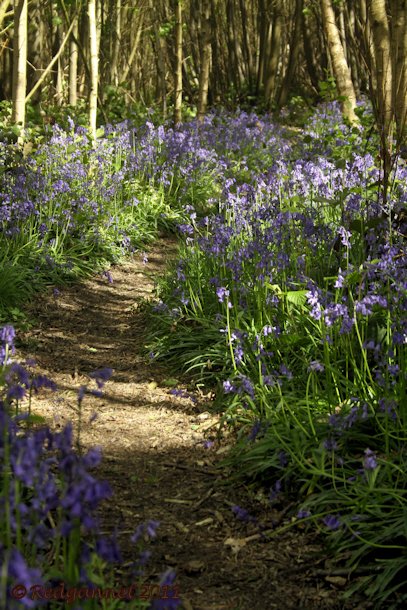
{"x":160,"y":452}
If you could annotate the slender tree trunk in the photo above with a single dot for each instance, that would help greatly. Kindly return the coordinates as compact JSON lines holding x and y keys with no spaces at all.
{"x":274,"y":57}
{"x":50,"y":65}
{"x":178,"y":63}
{"x":262,"y":27}
{"x":157,"y":41}
{"x":294,"y":52}
{"x":343,"y":32}
{"x":35,"y":48}
{"x":73,"y":65}
{"x":216,"y":60}
{"x":365,"y":33}
{"x":205,"y":60}
{"x":133,"y":52}
{"x":4,"y":4}
{"x":232,"y":64}
{"x":399,"y":53}
{"x":59,"y":82}
{"x":195,"y":20}
{"x":94,"y":65}
{"x":19,"y":62}
{"x":114,"y":66}
{"x":246,"y":45}
{"x":307,"y":37}
{"x":339,"y":64}
{"x":384,"y":76}
{"x":355,"y":58}
{"x":384,"y":90}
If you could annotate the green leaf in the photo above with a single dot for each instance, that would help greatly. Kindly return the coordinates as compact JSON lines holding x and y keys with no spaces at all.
{"x":274,"y":287}
{"x":297,"y":297}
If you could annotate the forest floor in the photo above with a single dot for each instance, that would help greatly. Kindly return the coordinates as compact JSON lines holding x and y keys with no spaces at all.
{"x":155,"y":458}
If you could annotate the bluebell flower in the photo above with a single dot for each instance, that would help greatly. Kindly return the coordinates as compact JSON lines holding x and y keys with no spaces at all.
{"x":169,"y":602}
{"x":370,"y":460}
{"x":101,"y":376}
{"x":22,"y":574}
{"x":222,"y":293}
{"x":303,"y":513}
{"x":242,"y":514}
{"x":7,"y":334}
{"x":275,"y":490}
{"x":330,"y":444}
{"x":255,"y":430}
{"x":332,"y":522}
{"x":316,"y":366}
{"x":228,"y":387}
{"x":107,"y":548}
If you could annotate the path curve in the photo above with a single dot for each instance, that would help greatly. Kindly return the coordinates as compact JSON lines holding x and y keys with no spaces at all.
{"x":154,"y":454}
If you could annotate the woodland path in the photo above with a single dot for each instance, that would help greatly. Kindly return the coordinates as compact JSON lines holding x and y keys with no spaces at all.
{"x":154,"y":455}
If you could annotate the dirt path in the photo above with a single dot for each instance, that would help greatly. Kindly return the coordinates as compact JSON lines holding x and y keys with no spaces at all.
{"x":155,"y":456}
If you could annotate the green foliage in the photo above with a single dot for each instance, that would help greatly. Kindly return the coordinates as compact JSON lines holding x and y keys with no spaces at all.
{"x":288,"y":301}
{"x":71,"y":208}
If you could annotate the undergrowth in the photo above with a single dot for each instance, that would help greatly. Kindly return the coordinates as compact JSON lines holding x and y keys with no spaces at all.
{"x":290,"y":298}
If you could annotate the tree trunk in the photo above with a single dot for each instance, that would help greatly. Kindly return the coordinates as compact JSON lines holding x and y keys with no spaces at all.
{"x":262,"y":27}
{"x":205,"y":60}
{"x":4,"y":4}
{"x":355,"y":57}
{"x":178,"y":63}
{"x":384,"y":76}
{"x":399,"y":53}
{"x":293,"y":58}
{"x":59,"y":81}
{"x":384,"y":90}
{"x":307,"y":38}
{"x":134,"y":49}
{"x":73,"y":65}
{"x":216,"y":52}
{"x":234,"y":75}
{"x":246,"y":45}
{"x":94,"y":65}
{"x":159,"y":52}
{"x":114,"y":66}
{"x":274,"y":57}
{"x":19,"y":62}
{"x":339,"y":64}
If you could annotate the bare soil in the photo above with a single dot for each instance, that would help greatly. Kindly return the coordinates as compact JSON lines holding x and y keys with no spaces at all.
{"x":156,"y":460}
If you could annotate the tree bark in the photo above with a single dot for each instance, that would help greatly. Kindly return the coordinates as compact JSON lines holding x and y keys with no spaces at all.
{"x":274,"y":57}
{"x":339,"y":64}
{"x":133,"y":52}
{"x":73,"y":65}
{"x":94,"y":67}
{"x":4,"y":4}
{"x":178,"y":63}
{"x":262,"y":26}
{"x":205,"y":60}
{"x":293,"y":57}
{"x":307,"y":38}
{"x":399,"y":53}
{"x":114,"y":67}
{"x":159,"y":52}
{"x":19,"y":62}
{"x":247,"y":54}
{"x":384,"y":73}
